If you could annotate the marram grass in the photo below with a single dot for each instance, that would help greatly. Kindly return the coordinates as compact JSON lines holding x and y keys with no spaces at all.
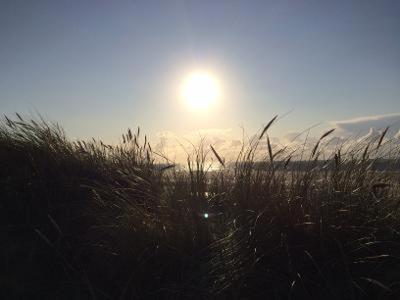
{"x":88,"y":220}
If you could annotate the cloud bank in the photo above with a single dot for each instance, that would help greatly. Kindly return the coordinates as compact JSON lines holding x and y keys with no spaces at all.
{"x":229,"y":142}
{"x":369,"y":125}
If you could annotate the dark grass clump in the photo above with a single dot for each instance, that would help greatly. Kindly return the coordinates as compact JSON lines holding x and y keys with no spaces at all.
{"x":88,"y":220}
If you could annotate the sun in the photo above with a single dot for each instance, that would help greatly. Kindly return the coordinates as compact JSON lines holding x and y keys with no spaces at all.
{"x":200,"y":90}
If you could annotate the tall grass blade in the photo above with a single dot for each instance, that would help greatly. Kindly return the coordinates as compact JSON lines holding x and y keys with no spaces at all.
{"x":378,"y":283}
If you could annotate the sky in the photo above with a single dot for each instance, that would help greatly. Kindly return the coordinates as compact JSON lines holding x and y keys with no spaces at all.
{"x":99,"y":67}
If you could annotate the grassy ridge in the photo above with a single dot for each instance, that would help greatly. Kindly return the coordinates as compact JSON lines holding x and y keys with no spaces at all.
{"x":89,"y":220}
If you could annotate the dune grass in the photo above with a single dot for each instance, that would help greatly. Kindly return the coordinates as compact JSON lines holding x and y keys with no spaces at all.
{"x":81,"y":219}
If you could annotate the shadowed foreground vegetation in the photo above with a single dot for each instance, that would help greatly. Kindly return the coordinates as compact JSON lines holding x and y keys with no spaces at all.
{"x":87,"y":220}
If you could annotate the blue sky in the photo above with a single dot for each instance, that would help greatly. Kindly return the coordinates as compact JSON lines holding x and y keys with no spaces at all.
{"x":99,"y":67}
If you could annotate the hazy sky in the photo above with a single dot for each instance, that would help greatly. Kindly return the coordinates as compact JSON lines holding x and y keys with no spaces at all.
{"x":98,"y":67}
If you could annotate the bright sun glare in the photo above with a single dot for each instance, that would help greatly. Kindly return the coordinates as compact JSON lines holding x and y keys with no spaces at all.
{"x":200,"y":90}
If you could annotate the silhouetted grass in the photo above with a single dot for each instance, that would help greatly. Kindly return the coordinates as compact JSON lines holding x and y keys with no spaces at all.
{"x":88,"y":220}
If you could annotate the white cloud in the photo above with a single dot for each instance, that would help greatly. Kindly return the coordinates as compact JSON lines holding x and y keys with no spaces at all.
{"x":177,"y":148}
{"x":236,"y":143}
{"x":397,"y":135}
{"x":368,"y":125}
